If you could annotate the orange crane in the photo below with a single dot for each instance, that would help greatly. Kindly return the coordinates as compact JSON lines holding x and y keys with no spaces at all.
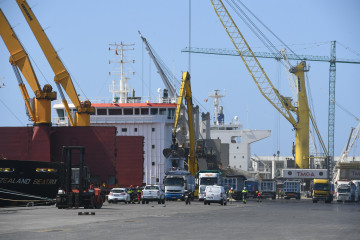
{"x":62,"y":76}
{"x":40,"y":109}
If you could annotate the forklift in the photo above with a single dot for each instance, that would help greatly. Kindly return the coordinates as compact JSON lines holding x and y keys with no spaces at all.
{"x":76,"y":190}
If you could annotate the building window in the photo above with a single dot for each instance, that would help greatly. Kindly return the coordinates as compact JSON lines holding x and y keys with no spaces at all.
{"x":128,"y":111}
{"x":124,"y":130}
{"x":101,"y":111}
{"x":234,"y":156}
{"x":154,"y":111}
{"x":135,"y":129}
{"x":115,"y":111}
{"x":153,"y":163}
{"x":137,"y":111}
{"x":171,"y":113}
{"x":153,"y":146}
{"x":153,"y":129}
{"x":157,"y":180}
{"x":144,"y":111}
{"x":162,"y":111}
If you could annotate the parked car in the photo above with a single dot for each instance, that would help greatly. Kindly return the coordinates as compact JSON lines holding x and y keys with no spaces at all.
{"x":118,"y":195}
{"x":214,"y":194}
{"x":152,"y":193}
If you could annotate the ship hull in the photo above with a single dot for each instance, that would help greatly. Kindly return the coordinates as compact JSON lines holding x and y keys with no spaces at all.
{"x":23,"y":182}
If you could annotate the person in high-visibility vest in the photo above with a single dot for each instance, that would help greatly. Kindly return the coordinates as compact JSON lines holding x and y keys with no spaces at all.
{"x":231,"y":192}
{"x":244,"y":194}
{"x":259,"y":197}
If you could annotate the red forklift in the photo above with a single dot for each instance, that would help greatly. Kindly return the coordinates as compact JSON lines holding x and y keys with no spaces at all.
{"x":76,"y":190}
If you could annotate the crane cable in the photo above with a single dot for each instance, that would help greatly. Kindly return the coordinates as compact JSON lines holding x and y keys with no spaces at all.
{"x":252,"y":26}
{"x":174,"y":80}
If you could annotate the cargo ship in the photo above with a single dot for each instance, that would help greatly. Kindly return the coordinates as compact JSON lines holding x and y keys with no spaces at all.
{"x":133,"y":117}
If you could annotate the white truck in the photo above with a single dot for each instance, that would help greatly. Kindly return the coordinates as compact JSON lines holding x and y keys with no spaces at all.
{"x":357,"y":190}
{"x":152,"y":193}
{"x":208,"y":178}
{"x":178,"y":183}
{"x":267,"y":188}
{"x":345,"y":191}
{"x":292,"y":189}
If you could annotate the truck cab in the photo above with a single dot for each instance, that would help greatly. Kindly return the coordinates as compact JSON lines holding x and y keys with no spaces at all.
{"x":177,"y":183}
{"x":208,"y":178}
{"x":345,"y":191}
{"x":321,"y":191}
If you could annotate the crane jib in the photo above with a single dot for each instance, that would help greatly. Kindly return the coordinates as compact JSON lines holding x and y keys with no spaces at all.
{"x":27,"y":12}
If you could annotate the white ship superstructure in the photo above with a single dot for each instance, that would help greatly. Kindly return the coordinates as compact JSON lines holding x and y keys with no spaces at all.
{"x":239,"y":139}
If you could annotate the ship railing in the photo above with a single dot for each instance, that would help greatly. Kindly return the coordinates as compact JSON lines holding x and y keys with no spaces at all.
{"x":129,"y":100}
{"x":130,"y":119}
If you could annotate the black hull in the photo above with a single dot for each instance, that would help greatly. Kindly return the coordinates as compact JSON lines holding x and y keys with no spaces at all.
{"x":23,"y":182}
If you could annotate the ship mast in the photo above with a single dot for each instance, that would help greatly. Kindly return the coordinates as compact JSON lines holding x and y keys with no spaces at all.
{"x":120,"y":93}
{"x":216,"y":96}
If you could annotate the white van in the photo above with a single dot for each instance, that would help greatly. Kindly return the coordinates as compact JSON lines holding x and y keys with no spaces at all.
{"x":214,"y":194}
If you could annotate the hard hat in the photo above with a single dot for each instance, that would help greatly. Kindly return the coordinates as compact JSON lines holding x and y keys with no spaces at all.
{"x":131,"y":186}
{"x":244,"y":188}
{"x":231,"y":188}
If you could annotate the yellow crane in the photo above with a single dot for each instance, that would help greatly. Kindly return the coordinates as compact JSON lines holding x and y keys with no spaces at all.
{"x":185,"y":92}
{"x":40,"y":109}
{"x":283,"y":104}
{"x":62,"y":76}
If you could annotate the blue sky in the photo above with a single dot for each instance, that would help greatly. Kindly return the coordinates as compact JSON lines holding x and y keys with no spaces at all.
{"x":82,"y":30}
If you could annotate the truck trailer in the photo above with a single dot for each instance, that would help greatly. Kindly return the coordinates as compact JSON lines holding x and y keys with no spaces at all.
{"x":292,"y":189}
{"x":267,"y":188}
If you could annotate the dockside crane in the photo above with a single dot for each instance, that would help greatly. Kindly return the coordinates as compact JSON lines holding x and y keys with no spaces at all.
{"x":297,"y":114}
{"x":167,"y":77}
{"x":185,"y":92}
{"x":62,"y":76}
{"x":332,"y":59}
{"x":40,"y":109}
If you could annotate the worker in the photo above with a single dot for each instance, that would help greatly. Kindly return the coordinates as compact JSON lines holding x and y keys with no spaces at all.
{"x":138,"y":193}
{"x":231,"y":192}
{"x":258,"y":196}
{"x":130,"y":191}
{"x":244,"y":194}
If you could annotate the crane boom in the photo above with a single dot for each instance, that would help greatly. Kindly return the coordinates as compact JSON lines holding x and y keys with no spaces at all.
{"x":281,"y":103}
{"x":251,"y":62}
{"x":185,"y":91}
{"x":62,"y":76}
{"x":40,"y":113}
{"x":164,"y":77}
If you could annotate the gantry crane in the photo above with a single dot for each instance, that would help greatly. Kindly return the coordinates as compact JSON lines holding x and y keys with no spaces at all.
{"x":284,"y":105}
{"x":62,"y":76}
{"x":40,"y":110}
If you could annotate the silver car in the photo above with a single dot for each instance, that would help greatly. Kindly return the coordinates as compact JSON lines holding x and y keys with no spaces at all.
{"x":118,"y":195}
